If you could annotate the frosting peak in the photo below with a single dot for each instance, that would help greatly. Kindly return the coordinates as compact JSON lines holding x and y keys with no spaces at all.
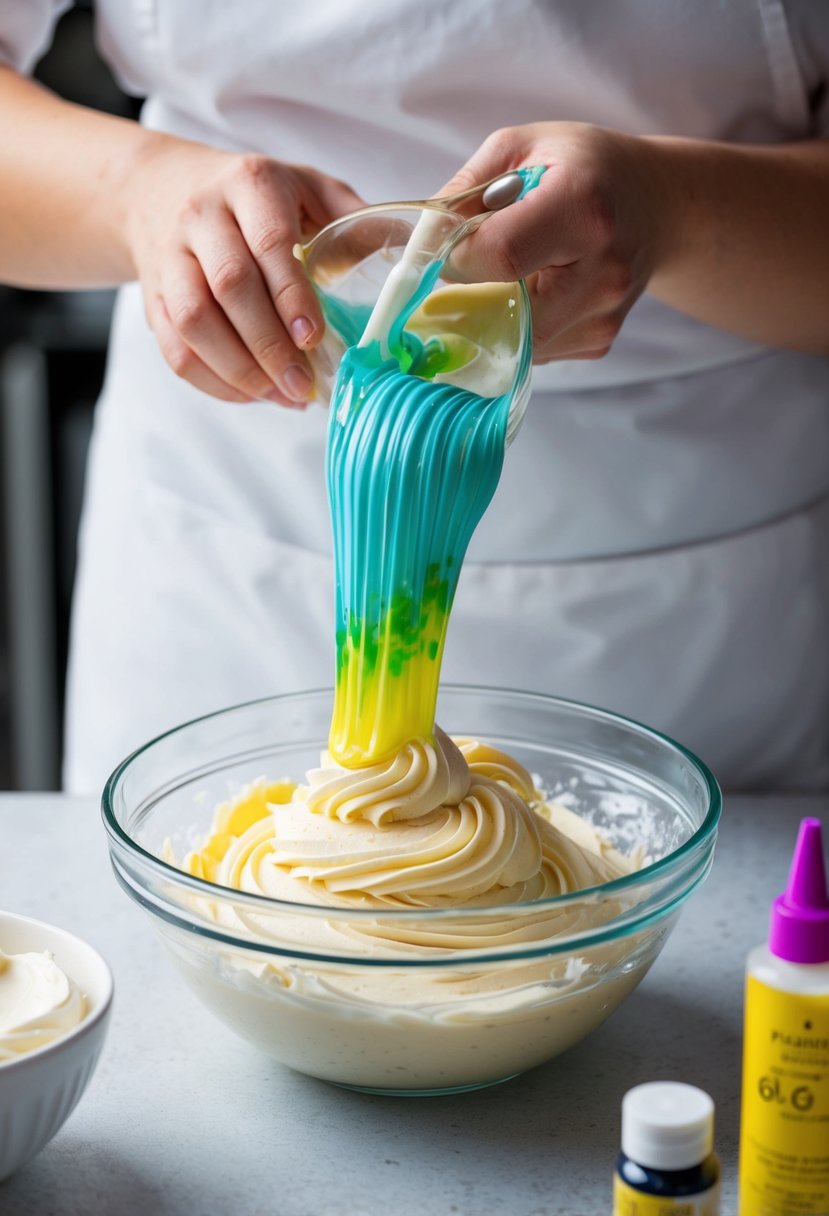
{"x":423,"y":775}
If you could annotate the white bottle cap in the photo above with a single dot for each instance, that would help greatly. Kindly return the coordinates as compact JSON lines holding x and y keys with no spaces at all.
{"x":667,"y":1125}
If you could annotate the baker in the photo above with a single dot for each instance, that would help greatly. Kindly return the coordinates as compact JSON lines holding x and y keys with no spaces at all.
{"x":659,"y":543}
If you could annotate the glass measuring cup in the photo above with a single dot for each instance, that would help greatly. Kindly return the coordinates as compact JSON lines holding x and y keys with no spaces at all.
{"x":476,"y":336}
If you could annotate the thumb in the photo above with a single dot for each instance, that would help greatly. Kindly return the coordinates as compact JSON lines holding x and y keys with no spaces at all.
{"x":512,"y":243}
{"x":499,"y":153}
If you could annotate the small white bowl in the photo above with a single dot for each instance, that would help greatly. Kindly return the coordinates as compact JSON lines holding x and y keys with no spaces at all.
{"x":39,"y":1091}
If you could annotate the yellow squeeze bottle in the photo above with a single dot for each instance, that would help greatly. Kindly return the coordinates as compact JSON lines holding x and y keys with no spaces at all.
{"x":784,"y":1123}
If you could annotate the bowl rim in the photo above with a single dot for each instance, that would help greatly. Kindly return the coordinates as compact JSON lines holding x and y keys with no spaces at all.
{"x":91,"y":1018}
{"x":661,"y":868}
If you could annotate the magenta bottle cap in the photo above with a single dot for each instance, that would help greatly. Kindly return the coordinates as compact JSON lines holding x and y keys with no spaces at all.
{"x":799,"y":929}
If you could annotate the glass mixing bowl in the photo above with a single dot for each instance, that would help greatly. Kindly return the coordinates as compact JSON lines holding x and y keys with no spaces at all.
{"x":476,"y":335}
{"x":443,"y":1014}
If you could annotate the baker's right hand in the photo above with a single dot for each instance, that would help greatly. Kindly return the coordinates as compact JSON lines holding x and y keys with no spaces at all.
{"x":211,"y":235}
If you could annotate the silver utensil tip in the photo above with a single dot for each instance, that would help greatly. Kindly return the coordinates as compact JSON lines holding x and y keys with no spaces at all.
{"x":502,"y":192}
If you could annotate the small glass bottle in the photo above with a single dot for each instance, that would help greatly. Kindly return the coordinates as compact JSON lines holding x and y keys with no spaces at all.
{"x":667,"y":1165}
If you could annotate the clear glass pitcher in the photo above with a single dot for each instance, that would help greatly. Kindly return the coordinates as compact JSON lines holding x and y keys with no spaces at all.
{"x":476,"y":336}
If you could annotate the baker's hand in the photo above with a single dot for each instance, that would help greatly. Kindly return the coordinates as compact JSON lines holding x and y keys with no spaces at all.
{"x":586,"y":239}
{"x":211,"y":236}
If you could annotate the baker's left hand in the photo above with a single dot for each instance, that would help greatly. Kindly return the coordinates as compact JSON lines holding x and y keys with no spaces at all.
{"x":586,"y":239}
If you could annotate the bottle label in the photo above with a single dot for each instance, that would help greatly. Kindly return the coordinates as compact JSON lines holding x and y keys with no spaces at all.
{"x":784,"y":1124}
{"x":627,"y":1201}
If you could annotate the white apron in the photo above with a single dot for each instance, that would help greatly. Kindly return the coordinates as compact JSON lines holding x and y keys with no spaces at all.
{"x":659,"y":543}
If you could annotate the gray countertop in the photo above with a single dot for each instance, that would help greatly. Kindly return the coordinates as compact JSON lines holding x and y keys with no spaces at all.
{"x":181,"y":1117}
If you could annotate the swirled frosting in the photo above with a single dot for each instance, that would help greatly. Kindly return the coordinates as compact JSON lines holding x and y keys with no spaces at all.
{"x":38,"y":1003}
{"x":443,"y":824}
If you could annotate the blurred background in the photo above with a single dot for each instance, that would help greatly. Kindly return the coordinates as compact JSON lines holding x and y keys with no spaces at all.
{"x":52,"y":358}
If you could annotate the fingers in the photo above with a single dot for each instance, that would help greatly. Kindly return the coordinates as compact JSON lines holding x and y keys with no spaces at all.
{"x":184,"y":361}
{"x":201,"y":328}
{"x":251,"y":306}
{"x":233,"y":309}
{"x":590,"y":339}
{"x":501,"y":151}
{"x":573,"y":318}
{"x":333,"y":198}
{"x":266,"y":207}
{"x":275,"y":207}
{"x":554,"y":225}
